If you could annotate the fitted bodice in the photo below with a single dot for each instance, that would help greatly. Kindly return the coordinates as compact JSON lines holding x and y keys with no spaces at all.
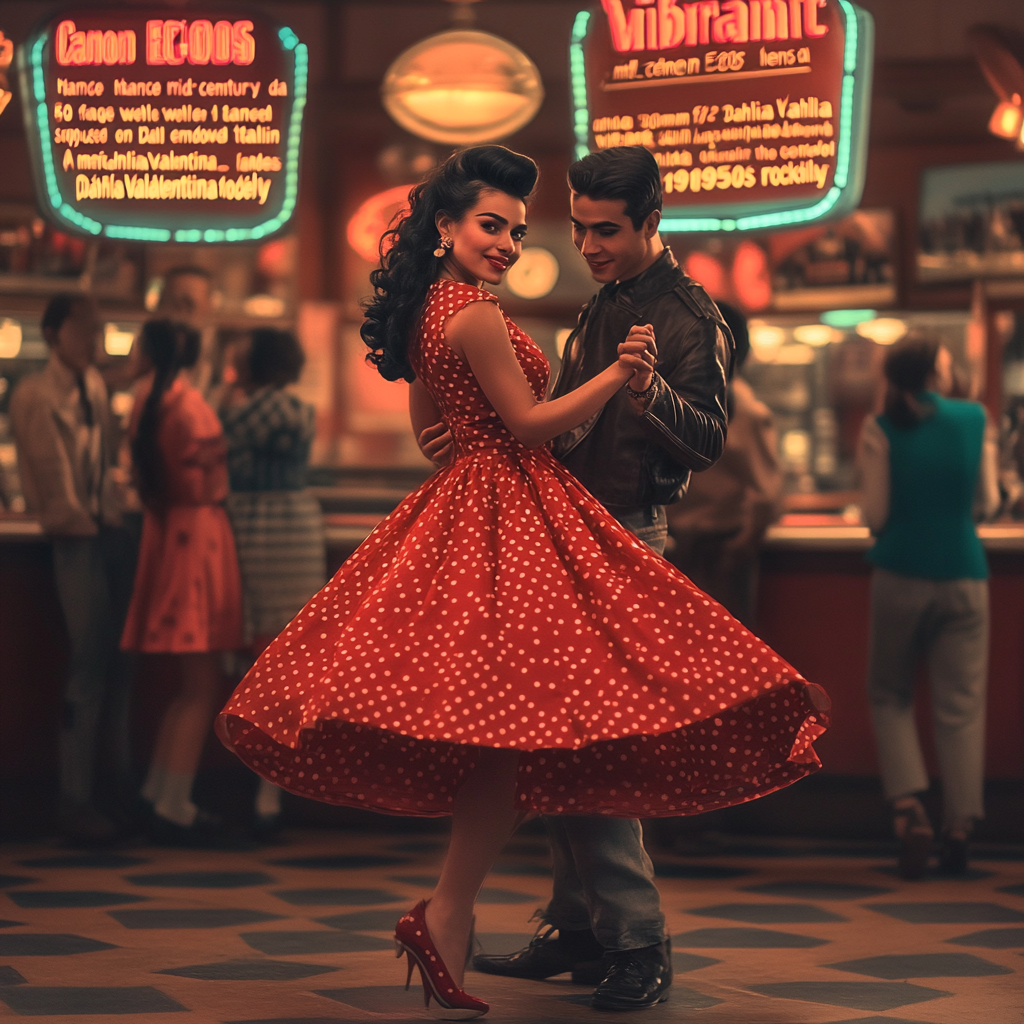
{"x":466,"y":410}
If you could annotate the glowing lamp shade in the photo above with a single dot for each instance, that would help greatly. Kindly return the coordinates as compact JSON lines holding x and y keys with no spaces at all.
{"x":1006,"y":120}
{"x":117,"y":342}
{"x":817,"y":335}
{"x":10,"y":339}
{"x":462,"y":87}
{"x":882,"y":330}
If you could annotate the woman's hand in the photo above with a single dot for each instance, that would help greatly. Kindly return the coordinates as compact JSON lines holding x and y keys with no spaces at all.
{"x":436,"y":444}
{"x":639,"y":353}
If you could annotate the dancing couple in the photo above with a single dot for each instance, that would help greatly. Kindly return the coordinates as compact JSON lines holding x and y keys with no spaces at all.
{"x":507,"y":643}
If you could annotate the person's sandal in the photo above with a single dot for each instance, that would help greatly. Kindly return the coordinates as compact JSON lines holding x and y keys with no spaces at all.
{"x":914,"y":831}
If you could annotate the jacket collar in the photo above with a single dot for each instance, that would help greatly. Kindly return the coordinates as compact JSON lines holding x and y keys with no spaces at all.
{"x":61,"y":375}
{"x":661,"y":276}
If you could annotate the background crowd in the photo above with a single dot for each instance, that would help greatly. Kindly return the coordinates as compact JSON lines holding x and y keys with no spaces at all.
{"x":191,"y":536}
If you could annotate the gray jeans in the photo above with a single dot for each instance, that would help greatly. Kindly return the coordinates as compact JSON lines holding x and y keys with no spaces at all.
{"x":94,"y":577}
{"x":604,"y":879}
{"x":947,"y":622}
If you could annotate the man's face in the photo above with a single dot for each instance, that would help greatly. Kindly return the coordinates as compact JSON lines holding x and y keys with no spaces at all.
{"x":605,"y":236}
{"x":187,"y":297}
{"x":75,"y":340}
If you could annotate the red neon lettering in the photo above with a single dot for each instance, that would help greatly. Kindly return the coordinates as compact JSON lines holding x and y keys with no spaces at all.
{"x":668,"y":24}
{"x":200,"y":42}
{"x":627,"y":33}
{"x":811,"y":26}
{"x":244,"y":46}
{"x":671,"y":24}
{"x":155,"y":42}
{"x":222,"y":33}
{"x":93,"y":47}
{"x":64,"y":32}
{"x":175,"y":48}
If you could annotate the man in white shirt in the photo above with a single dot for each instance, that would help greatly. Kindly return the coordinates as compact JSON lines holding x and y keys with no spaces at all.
{"x":61,"y":426}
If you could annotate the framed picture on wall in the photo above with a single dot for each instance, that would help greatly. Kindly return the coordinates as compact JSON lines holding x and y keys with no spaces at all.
{"x":971,"y":222}
{"x":845,"y":263}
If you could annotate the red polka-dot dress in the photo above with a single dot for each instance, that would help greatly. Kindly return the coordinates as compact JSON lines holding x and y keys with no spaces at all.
{"x":500,"y":605}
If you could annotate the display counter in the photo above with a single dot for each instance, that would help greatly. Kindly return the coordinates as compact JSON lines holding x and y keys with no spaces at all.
{"x":813,"y":609}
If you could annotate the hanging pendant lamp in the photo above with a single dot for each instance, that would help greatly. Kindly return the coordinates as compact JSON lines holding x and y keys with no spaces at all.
{"x":462,"y":86}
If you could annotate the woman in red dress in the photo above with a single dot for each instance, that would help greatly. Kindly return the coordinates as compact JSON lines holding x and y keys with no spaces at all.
{"x":500,"y":645}
{"x":187,"y":601}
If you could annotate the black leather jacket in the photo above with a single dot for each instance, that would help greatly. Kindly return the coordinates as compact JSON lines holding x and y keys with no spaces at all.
{"x":625,"y":457}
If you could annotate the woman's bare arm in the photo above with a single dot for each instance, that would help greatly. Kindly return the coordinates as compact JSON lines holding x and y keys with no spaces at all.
{"x":431,"y":432}
{"x":477,"y":334}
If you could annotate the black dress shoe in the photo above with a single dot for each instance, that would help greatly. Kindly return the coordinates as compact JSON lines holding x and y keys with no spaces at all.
{"x":635,"y":978}
{"x":549,"y":954}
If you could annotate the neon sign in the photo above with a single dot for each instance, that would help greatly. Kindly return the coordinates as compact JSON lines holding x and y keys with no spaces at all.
{"x":163,"y":128}
{"x":756,"y":110}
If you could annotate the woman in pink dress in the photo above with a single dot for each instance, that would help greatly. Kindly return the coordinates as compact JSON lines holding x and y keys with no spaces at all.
{"x":187,"y":601}
{"x":500,"y":645}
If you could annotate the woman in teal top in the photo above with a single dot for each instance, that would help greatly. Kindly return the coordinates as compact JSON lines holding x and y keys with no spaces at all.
{"x":924,"y":462}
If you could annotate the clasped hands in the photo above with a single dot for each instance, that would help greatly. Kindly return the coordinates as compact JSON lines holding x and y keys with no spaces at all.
{"x":638,"y":353}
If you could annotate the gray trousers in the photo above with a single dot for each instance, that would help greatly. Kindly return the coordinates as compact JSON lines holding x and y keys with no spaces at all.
{"x":946,"y":621}
{"x":603,"y":878}
{"x":94,"y":578}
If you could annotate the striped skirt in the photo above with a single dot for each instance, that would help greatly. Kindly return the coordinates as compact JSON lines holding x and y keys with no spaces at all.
{"x":281,"y":553}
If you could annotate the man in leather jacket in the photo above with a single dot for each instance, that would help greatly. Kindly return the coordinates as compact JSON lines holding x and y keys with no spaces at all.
{"x":604,"y":922}
{"x":635,"y":456}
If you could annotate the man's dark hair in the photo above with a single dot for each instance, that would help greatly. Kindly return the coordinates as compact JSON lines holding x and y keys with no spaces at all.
{"x":58,"y":309}
{"x":275,"y":357}
{"x":628,"y":173}
{"x":737,"y":323}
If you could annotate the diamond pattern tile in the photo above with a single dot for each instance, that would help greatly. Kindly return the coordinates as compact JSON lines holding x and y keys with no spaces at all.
{"x":922,"y":965}
{"x":948,"y":913}
{"x":769,"y":913}
{"x":858,"y":995}
{"x":36,"y":898}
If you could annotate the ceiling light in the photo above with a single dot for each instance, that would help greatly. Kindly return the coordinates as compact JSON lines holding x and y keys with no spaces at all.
{"x":883,"y":330}
{"x":817,"y":335}
{"x":462,"y":86}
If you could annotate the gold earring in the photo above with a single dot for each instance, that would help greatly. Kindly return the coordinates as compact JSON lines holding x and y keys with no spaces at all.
{"x":443,"y":245}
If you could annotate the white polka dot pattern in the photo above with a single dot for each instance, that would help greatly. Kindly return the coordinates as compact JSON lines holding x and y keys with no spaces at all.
{"x":500,"y":605}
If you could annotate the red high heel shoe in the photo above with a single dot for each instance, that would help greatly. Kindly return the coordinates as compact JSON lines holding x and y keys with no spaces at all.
{"x":413,"y":939}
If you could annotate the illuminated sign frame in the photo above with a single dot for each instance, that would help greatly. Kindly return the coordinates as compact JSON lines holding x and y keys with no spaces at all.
{"x":194,"y":227}
{"x":851,"y":152}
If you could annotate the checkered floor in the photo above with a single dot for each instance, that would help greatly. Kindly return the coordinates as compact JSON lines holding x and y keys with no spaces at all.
{"x":300,"y":934}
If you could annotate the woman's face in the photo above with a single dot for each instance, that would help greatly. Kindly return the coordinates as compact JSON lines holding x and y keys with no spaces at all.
{"x":943,"y":373}
{"x":487,"y":240}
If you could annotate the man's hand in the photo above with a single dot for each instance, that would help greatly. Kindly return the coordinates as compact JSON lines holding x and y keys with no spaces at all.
{"x":436,"y":444}
{"x":641,"y":380}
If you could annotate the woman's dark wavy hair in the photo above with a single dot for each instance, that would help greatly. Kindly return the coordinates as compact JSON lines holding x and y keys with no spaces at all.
{"x":409,"y":267}
{"x":908,"y":366}
{"x":170,"y":347}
